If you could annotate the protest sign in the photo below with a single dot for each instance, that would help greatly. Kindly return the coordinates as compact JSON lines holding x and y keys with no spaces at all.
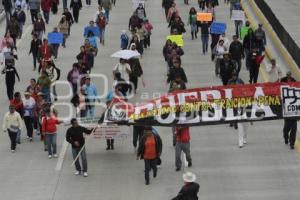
{"x":238,"y":15}
{"x":94,"y":29}
{"x":218,"y":28}
{"x":204,"y":17}
{"x":111,"y":132}
{"x":55,"y":38}
{"x":178,"y":39}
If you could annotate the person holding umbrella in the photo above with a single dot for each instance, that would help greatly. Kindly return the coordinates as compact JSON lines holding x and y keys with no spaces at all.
{"x":124,"y":68}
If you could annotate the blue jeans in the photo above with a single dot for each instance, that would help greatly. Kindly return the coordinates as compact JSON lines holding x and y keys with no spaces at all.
{"x":106,"y":15}
{"x":204,"y":39}
{"x":51,"y":143}
{"x":75,"y":152}
{"x":46,"y":16}
{"x":90,"y":111}
{"x":65,"y":4}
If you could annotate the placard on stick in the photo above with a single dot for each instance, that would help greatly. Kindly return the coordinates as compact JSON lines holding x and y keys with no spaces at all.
{"x":204,"y":17}
{"x":218,"y":28}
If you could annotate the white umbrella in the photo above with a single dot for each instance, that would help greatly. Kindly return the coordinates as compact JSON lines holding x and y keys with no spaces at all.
{"x":125,"y":54}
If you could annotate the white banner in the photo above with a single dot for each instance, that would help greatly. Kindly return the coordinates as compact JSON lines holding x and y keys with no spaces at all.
{"x":135,"y":3}
{"x":112,"y":132}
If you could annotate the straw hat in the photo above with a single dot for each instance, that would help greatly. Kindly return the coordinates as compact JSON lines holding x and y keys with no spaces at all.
{"x":189,"y":177}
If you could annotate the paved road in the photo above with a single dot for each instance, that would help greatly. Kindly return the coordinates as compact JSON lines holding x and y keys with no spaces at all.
{"x":288,"y":14}
{"x":265,"y":169}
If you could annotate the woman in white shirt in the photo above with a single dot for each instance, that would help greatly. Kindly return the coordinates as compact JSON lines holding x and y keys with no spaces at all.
{"x":29,"y":108}
{"x":274,"y":72}
{"x":219,"y":51}
{"x":123,"y":68}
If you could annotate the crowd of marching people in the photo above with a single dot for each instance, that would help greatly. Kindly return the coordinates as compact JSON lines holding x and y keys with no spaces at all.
{"x":34,"y":105}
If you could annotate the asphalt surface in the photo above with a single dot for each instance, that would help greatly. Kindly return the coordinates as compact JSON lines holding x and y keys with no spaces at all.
{"x":264,"y":169}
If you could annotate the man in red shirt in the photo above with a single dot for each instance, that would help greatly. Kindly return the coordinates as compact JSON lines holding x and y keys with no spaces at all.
{"x":182,"y":144}
{"x":150,"y":148}
{"x":49,"y":129}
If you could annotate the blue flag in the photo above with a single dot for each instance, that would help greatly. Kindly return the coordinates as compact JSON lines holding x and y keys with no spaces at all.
{"x":218,"y":28}
{"x":55,"y":38}
{"x":94,"y":29}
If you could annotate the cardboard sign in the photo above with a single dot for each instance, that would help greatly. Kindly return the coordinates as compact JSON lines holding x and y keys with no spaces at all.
{"x":244,"y":32}
{"x":204,"y":17}
{"x":238,"y":15}
{"x":218,"y":28}
{"x":178,"y":39}
{"x":94,"y":29}
{"x":111,"y":132}
{"x":55,"y":38}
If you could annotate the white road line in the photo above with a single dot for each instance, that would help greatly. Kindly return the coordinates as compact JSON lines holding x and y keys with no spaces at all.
{"x":61,"y":157}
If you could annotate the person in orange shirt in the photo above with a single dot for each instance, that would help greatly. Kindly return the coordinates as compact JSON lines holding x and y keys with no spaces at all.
{"x":150,"y":148}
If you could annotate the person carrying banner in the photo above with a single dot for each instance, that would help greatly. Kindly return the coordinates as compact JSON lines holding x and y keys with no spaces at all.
{"x":190,"y":189}
{"x":290,"y":124}
{"x":75,"y":136}
{"x":242,"y":127}
{"x":150,"y":148}
{"x":182,"y":144}
{"x":12,"y":123}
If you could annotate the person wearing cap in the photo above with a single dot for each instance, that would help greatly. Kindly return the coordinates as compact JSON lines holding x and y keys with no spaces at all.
{"x":190,"y":189}
{"x":274,"y":72}
{"x":12,"y":123}
{"x":75,"y":136}
{"x":150,"y":148}
{"x":290,"y":124}
{"x":29,"y":109}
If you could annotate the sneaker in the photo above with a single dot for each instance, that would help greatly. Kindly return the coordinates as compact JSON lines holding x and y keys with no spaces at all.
{"x":55,"y":155}
{"x":245,"y":141}
{"x":13,"y":151}
{"x":76,"y":173}
{"x":50,"y":156}
{"x":85,"y":174}
{"x":189,"y":164}
{"x":292,"y":147}
{"x":154,"y":175}
{"x":177,"y":169}
{"x":30,"y":139}
{"x":147,"y":183}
